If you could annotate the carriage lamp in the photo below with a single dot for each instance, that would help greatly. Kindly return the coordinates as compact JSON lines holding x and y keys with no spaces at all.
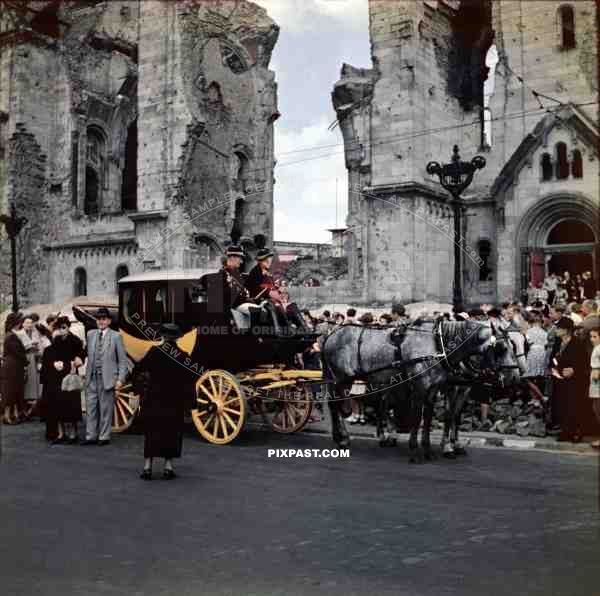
{"x":13,"y":225}
{"x":455,"y":177}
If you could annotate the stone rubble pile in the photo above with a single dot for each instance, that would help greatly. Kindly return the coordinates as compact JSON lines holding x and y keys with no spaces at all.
{"x":521,"y":418}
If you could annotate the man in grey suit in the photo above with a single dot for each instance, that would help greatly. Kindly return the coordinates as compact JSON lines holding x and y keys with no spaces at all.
{"x":106,"y":371}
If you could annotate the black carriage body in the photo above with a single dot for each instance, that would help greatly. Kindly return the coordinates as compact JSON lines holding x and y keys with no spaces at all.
{"x":192,"y":301}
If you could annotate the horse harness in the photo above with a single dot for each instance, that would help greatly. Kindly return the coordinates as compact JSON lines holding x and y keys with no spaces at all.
{"x":401,"y":363}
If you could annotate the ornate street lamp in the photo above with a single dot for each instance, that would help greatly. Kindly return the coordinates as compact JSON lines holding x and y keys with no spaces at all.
{"x":13,"y":225}
{"x":455,"y":177}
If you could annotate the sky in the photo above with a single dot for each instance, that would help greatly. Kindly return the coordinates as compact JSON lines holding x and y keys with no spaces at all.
{"x":316,"y":37}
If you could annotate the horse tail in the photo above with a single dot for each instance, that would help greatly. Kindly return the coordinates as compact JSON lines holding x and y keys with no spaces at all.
{"x":328,"y":373}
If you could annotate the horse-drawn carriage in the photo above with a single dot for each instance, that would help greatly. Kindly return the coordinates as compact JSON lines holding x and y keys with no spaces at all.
{"x":240,"y":370}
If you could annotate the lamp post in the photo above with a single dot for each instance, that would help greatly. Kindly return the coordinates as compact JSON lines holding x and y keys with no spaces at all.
{"x":13,"y":225}
{"x":455,"y":177}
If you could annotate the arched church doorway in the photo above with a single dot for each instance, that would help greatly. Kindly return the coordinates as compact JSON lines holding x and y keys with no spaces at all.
{"x":559,"y":233}
{"x":570,"y":247}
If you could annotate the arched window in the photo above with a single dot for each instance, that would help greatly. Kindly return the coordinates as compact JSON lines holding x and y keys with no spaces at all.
{"x":566,"y":17}
{"x":122,"y":271}
{"x":129,"y":179}
{"x":95,"y":170}
{"x":96,"y":147}
{"x":562,"y":163}
{"x":80,"y":282}
{"x":92,"y":192}
{"x":484,"y":248}
{"x":208,"y":253}
{"x":238,"y":218}
{"x":241,"y":165}
{"x":577,"y":164}
{"x":547,"y":168}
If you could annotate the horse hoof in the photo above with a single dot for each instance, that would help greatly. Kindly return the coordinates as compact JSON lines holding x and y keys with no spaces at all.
{"x":388,"y":442}
{"x":430,"y":456}
{"x":449,"y":455}
{"x":460,"y":451}
{"x":343,"y":443}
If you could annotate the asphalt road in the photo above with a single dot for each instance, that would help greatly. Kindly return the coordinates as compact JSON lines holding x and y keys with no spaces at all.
{"x":78,"y":521}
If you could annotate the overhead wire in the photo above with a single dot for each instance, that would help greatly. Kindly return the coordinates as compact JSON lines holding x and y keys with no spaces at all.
{"x":408,"y":136}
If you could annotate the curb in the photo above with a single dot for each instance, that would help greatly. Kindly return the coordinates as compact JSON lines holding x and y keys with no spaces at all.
{"x":478,"y":441}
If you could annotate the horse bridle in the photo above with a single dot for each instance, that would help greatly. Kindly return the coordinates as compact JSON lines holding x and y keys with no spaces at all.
{"x":497,"y":330}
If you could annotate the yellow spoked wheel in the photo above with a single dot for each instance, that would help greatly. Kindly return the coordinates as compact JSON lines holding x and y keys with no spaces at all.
{"x":288,"y":408}
{"x":220,"y":410}
{"x":127,"y":404}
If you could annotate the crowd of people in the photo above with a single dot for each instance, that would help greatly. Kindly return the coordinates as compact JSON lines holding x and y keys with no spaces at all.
{"x":557,"y":345}
{"x":47,"y":366}
{"x":563,"y":289}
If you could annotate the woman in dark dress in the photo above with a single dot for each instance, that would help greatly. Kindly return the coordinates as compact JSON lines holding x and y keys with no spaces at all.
{"x":570,"y":372}
{"x":63,"y":408}
{"x":14,"y":364}
{"x":168,"y":386}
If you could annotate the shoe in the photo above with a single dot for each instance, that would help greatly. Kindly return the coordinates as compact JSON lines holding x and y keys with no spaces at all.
{"x":73,"y":441}
{"x":58,"y":441}
{"x":89,"y":442}
{"x":146,"y":475}
{"x":362,"y":420}
{"x":169,"y":474}
{"x":353,"y":419}
{"x":104,"y":442}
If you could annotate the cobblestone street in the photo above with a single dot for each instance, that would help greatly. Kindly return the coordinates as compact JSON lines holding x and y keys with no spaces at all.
{"x":79,"y":521}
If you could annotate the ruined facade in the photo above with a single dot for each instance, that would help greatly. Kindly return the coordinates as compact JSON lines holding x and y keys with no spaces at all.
{"x":134,"y":135}
{"x":533,"y":208}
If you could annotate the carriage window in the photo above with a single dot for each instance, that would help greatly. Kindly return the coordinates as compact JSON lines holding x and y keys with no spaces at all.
{"x":195,"y":304}
{"x":157,"y":303}
{"x":195,"y":295}
{"x":134,"y":305}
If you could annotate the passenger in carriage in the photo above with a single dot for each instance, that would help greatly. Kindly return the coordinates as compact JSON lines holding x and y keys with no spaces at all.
{"x":235,"y":296}
{"x":260,"y":280}
{"x":265,"y":290}
{"x":234,"y":289}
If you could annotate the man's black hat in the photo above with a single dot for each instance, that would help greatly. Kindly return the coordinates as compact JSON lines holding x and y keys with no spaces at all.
{"x":264,"y":253}
{"x":234,"y":251}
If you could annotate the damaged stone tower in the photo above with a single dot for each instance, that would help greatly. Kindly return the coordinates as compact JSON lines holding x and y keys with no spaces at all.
{"x":134,"y":135}
{"x":424,"y":94}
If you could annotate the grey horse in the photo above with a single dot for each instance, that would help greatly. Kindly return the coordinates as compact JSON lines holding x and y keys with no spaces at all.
{"x":466,"y":376}
{"x":420,"y":357}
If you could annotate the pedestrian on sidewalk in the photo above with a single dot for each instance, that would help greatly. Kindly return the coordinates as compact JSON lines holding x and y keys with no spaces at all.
{"x":106,"y":371}
{"x":63,"y":409}
{"x":536,"y":338}
{"x":570,"y":372}
{"x":595,"y":377}
{"x":14,"y":365}
{"x":168,"y":387}
{"x":31,"y":339}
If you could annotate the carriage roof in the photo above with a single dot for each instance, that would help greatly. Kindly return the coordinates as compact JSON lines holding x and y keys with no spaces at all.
{"x":167,"y":275}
